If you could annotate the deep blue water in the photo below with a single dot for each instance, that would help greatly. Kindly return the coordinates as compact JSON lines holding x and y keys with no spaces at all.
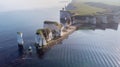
{"x":83,"y":48}
{"x":27,"y":21}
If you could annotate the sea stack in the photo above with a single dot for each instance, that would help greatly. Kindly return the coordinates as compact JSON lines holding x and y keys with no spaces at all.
{"x":30,"y":50}
{"x":55,"y":27}
{"x":20,"y":40}
{"x":40,"y":38}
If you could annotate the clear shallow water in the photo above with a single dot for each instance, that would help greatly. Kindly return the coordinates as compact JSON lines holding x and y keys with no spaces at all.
{"x":83,"y":48}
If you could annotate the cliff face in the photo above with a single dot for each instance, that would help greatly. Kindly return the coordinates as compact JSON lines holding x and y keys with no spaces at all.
{"x":97,"y":19}
{"x":20,"y":38}
{"x":94,"y":11}
{"x":39,"y":40}
{"x":41,"y":37}
{"x":55,"y":27}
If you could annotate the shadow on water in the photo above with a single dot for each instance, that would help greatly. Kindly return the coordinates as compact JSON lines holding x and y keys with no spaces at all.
{"x":101,"y":26}
{"x":42,"y":51}
{"x":23,"y":53}
{"x":20,"y":52}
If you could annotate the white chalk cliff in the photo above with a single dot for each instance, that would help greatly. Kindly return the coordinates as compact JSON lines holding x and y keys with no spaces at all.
{"x":20,"y":38}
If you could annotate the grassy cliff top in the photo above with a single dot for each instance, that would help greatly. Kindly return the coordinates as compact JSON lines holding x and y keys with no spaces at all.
{"x":39,"y":31}
{"x":19,"y":32}
{"x":84,"y":7}
{"x":51,"y":22}
{"x":54,"y":22}
{"x":109,"y":2}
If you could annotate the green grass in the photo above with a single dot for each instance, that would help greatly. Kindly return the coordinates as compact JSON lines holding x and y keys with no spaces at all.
{"x":109,"y":2}
{"x":51,"y":22}
{"x":19,"y":33}
{"x":54,"y":22}
{"x":39,"y":31}
{"x":83,"y":9}
{"x":114,"y":3}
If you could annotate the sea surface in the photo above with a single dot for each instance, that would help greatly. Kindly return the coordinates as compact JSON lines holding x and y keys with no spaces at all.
{"x":83,"y":48}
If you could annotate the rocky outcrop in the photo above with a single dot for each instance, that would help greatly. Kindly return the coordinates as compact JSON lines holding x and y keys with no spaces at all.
{"x":65,"y":17}
{"x":41,"y":37}
{"x":20,"y":38}
{"x":55,"y":27}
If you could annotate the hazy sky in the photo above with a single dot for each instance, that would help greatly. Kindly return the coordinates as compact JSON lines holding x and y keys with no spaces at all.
{"x":11,"y":5}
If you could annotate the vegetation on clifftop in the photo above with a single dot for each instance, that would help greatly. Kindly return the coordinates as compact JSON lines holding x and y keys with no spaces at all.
{"x":83,"y":7}
{"x":54,"y":22}
{"x":109,"y":2}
